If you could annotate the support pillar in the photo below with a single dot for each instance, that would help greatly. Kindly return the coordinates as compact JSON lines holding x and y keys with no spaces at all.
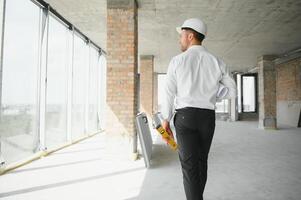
{"x":122,"y":68}
{"x":267,"y":92}
{"x":147,"y":84}
{"x":234,"y":105}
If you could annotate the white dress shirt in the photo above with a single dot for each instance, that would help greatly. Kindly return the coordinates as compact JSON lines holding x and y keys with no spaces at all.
{"x":195,"y":78}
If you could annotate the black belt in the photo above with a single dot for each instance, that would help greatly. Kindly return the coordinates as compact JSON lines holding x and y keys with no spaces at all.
{"x":194,"y":109}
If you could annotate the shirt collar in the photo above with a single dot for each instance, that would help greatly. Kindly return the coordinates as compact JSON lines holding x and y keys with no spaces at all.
{"x":201,"y":47}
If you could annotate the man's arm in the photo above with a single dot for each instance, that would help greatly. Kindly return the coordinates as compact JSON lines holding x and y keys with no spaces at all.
{"x":170,"y":91}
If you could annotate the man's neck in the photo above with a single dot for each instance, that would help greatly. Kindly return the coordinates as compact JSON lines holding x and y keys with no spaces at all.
{"x":195,"y":43}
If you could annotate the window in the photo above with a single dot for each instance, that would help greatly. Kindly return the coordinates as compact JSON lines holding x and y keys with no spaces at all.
{"x":93,"y":90}
{"x":248,"y":92}
{"x":222,"y":107}
{"x":161,"y":85}
{"x":79,"y":86}
{"x":101,"y":91}
{"x":238,"y":79}
{"x":56,"y":90}
{"x":52,"y":82}
{"x":19,"y":98}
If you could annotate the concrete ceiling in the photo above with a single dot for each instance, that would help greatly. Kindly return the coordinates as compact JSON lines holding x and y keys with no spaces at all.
{"x":238,"y":30}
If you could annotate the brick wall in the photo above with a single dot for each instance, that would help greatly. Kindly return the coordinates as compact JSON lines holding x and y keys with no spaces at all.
{"x":122,"y":67}
{"x":267,"y":92}
{"x":147,"y":84}
{"x":289,"y":81}
{"x":288,"y":87}
{"x":270,"y":92}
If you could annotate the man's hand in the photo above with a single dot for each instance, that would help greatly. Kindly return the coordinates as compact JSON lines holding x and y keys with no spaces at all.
{"x":165,"y":125}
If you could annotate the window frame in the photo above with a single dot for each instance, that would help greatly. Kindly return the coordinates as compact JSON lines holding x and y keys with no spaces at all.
{"x":255,"y":75}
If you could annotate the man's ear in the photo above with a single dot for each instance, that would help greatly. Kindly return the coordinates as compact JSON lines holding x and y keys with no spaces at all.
{"x":190,"y":36}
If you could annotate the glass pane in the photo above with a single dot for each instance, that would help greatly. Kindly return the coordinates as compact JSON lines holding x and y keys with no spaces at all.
{"x":248,"y":93}
{"x":222,"y":107}
{"x":161,"y":85}
{"x":239,"y":92}
{"x":93,"y":89}
{"x":18,"y":127}
{"x":56,"y":94}
{"x":80,"y":69}
{"x":102,"y":91}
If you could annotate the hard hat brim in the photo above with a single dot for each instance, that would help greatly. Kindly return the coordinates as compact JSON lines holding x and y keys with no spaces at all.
{"x":179,"y":29}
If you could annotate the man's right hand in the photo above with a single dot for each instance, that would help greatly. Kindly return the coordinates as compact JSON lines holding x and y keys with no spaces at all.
{"x":165,"y":125}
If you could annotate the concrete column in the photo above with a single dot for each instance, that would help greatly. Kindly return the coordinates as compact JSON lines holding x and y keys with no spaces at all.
{"x":233,"y":109}
{"x":122,"y":67}
{"x":267,"y":92}
{"x":147,"y":84}
{"x":234,"y":105}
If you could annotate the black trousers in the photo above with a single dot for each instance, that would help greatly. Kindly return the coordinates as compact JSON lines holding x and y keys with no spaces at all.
{"x":194,"y":132}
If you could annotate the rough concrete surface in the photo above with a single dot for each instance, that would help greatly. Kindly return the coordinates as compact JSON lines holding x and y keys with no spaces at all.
{"x":244,"y":163}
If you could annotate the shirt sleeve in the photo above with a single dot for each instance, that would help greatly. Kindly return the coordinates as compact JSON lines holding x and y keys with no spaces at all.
{"x":227,"y":81}
{"x":170,"y":91}
{"x":222,"y":92}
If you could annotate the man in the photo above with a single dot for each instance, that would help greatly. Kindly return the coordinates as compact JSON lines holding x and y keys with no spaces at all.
{"x":192,"y":82}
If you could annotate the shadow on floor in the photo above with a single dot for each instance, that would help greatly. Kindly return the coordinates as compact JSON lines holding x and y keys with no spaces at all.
{"x":64,"y":183}
{"x":163,"y":178}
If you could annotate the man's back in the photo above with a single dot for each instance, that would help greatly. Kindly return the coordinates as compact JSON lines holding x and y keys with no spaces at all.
{"x":198,"y":73}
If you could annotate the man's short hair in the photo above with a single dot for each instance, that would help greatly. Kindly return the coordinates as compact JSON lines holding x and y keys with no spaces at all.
{"x":198,"y":36}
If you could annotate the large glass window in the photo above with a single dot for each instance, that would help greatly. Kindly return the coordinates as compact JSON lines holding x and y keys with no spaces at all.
{"x":101,"y":91}
{"x":19,"y":98}
{"x":79,"y":86}
{"x":93,"y":90}
{"x":52,"y":82}
{"x":56,"y":92}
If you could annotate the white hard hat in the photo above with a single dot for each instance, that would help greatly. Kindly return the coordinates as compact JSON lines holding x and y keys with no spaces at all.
{"x":195,"y":24}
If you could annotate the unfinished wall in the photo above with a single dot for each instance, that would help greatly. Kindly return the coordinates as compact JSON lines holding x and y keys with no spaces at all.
{"x":147,"y":84}
{"x":288,"y":89}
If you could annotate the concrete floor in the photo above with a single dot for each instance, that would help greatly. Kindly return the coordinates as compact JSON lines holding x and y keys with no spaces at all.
{"x":244,"y":163}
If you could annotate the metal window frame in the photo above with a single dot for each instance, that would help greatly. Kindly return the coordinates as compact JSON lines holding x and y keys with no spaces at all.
{"x":44,"y":4}
{"x":42,"y":80}
{"x":70,"y":84}
{"x":102,"y":92}
{"x":255,"y":89}
{"x":3,"y":6}
{"x":87,"y":88}
{"x":98,"y":90}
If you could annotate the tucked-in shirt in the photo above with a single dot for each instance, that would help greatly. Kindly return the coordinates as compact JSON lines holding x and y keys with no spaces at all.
{"x":193,"y":80}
